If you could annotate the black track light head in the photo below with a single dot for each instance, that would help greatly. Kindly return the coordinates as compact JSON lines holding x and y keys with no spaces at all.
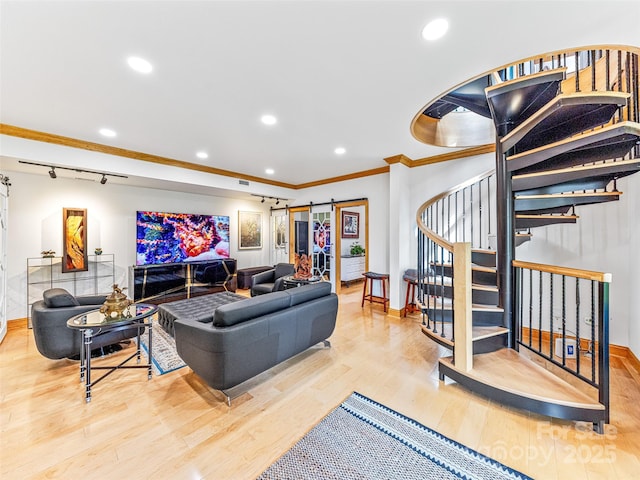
{"x":52,"y":172}
{"x":262,"y":200}
{"x":103,"y":180}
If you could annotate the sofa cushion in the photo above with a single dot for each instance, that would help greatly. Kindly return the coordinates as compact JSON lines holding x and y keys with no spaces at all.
{"x":59,"y":297}
{"x":238,"y":312}
{"x":305,"y":293}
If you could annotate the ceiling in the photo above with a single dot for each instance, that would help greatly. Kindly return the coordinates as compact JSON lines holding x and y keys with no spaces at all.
{"x":348,"y":74}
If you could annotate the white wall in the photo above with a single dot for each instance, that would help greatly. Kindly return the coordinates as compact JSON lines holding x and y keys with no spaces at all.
{"x":35,"y":223}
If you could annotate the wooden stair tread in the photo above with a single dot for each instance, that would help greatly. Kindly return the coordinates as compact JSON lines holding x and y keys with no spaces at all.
{"x":479,"y":268}
{"x":448,"y":282}
{"x":511,"y":372}
{"x":621,"y":168}
{"x":447,"y":306}
{"x":477,"y":333}
{"x":569,"y":195}
{"x":523,"y":215}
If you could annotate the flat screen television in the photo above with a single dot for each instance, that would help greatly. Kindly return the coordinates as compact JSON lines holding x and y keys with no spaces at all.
{"x":180,"y":237}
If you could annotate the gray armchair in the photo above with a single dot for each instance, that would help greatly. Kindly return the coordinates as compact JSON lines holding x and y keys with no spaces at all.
{"x":49,"y":317}
{"x":271,"y":280}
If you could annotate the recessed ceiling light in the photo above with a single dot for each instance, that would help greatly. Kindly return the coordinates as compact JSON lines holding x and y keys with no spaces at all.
{"x":340,"y":151}
{"x":202,"y":155}
{"x":269,"y":171}
{"x":140,"y":64}
{"x":107,"y":132}
{"x":269,"y":120}
{"x":435,"y":29}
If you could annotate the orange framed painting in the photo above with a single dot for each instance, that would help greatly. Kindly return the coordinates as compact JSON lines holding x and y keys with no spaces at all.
{"x":74,"y":242}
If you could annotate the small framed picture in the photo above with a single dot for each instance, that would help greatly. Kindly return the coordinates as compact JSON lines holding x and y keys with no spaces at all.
{"x":250,"y":230}
{"x":350,"y":224}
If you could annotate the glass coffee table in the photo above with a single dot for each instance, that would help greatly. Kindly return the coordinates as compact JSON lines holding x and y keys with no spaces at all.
{"x":94,"y":323}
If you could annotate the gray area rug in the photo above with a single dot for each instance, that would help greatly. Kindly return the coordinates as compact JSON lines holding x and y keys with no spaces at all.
{"x":165,"y":357}
{"x":362,"y":439}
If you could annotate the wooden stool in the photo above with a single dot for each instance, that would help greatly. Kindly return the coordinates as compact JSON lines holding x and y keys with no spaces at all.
{"x":369,"y":277}
{"x":411,"y":277}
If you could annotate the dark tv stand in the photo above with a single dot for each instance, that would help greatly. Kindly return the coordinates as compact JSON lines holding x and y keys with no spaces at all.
{"x":174,"y":281}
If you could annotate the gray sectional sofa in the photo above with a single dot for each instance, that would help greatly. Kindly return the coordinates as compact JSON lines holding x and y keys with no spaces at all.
{"x":250,"y":336}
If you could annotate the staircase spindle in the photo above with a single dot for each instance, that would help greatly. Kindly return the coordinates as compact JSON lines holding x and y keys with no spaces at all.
{"x":564,"y":322}
{"x":551,"y":315}
{"x":607,"y":77}
{"x":464,"y":215}
{"x":449,"y":218}
{"x":456,"y":215}
{"x":577,"y":57}
{"x":540,"y":312}
{"x":593,"y":71}
{"x":479,"y":215}
{"x":578,"y":343}
{"x":627,"y":72}
{"x":593,"y":331}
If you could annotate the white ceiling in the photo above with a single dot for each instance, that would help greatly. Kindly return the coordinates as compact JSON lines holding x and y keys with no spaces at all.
{"x":335,"y":73}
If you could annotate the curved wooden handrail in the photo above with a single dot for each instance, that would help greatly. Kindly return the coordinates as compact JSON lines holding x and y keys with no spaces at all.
{"x":569,"y":272}
{"x":447,"y":245}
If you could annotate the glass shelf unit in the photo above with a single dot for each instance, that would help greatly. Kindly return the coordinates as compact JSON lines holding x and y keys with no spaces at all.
{"x":44,"y":273}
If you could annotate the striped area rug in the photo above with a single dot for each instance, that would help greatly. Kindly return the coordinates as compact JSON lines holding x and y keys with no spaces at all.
{"x":362,"y":439}
{"x":165,"y":357}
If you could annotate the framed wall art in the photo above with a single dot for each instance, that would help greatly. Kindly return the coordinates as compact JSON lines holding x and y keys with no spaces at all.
{"x":350,"y":224}
{"x":74,"y":241}
{"x":250,"y":230}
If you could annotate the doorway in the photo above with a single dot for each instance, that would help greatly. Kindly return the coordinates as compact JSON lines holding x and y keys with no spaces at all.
{"x":349,"y":268}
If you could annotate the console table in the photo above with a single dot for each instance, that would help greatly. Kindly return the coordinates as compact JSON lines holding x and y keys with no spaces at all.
{"x":95,"y":323}
{"x":168,"y":282}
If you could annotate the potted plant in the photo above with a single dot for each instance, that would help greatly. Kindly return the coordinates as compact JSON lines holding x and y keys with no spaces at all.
{"x":356,"y":249}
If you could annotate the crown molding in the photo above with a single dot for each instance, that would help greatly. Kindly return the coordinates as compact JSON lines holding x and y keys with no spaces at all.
{"x":35,"y":135}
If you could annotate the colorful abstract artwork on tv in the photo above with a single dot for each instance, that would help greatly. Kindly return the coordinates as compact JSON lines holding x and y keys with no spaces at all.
{"x":180,"y":237}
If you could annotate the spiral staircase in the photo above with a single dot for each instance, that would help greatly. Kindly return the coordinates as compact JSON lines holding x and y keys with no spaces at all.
{"x":566,"y":130}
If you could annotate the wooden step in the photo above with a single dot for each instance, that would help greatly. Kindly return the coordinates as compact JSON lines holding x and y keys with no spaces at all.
{"x":584,"y":177}
{"x":521,"y":238}
{"x":480,"y":275}
{"x":613,"y":141}
{"x":485,"y":339}
{"x":483,"y":257}
{"x":564,"y":116}
{"x":512,"y":379}
{"x":532,"y":221}
{"x":513,"y":101}
{"x":443,"y":287}
{"x":439,"y":309}
{"x":523,"y":203}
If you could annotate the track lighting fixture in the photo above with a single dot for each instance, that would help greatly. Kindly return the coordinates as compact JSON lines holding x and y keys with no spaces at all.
{"x":266,"y":197}
{"x":52,"y":171}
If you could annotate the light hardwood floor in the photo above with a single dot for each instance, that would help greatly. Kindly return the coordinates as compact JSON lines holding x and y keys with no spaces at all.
{"x":175,"y":427}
